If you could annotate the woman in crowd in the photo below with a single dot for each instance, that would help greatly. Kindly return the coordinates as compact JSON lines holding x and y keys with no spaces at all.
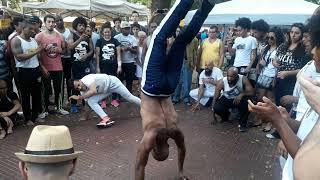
{"x":289,"y":61}
{"x":268,"y":72}
{"x":108,"y":55}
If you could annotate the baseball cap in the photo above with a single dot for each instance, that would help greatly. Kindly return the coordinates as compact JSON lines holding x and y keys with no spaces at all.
{"x":125,"y":24}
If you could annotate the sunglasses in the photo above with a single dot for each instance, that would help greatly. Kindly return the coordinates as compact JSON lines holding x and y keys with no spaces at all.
{"x":271,"y":38}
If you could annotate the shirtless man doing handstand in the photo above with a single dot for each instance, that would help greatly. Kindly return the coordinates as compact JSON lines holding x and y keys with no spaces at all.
{"x":160,"y":77}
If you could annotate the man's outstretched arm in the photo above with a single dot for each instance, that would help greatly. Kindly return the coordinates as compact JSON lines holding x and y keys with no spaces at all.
{"x":144,"y":149}
{"x":178,"y":138}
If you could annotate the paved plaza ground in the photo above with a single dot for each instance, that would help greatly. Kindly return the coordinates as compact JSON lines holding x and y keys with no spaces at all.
{"x":213,"y":152}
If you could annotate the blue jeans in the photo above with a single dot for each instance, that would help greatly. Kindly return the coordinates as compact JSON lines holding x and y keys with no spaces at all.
{"x":163,"y":70}
{"x":184,"y":84}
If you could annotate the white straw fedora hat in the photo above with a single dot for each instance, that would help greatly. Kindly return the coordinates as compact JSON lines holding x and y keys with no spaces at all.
{"x":49,"y":144}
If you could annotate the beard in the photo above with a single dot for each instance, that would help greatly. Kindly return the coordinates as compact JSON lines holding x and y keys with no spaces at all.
{"x":208,"y":72}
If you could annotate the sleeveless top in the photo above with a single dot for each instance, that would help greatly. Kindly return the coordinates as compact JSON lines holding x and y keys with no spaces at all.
{"x":80,"y":50}
{"x":28,"y":47}
{"x":232,"y":92}
{"x":210,"y":52}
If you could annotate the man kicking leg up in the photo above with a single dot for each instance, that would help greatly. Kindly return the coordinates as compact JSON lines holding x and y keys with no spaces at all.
{"x":160,"y":78}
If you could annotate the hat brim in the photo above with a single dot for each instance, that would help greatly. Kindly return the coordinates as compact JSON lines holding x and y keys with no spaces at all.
{"x":47,"y":158}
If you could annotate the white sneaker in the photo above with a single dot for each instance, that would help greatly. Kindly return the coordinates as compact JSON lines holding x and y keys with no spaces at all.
{"x":43,"y":115}
{"x":62,"y":112}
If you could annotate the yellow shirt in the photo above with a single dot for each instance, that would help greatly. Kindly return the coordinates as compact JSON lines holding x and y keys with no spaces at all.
{"x":210,"y":52}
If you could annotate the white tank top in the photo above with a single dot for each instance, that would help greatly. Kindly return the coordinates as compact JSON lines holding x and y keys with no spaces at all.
{"x":28,"y":47}
{"x":232,"y":92}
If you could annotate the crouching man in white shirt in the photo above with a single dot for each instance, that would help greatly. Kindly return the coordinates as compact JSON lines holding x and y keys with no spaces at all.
{"x":207,"y":81}
{"x":97,"y":87}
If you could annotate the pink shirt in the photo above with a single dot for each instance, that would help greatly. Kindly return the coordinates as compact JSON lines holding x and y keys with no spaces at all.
{"x":49,"y":58}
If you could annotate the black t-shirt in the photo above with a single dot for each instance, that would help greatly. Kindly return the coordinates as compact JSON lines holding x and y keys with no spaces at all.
{"x":6,"y":103}
{"x":80,"y":50}
{"x":108,"y":50}
{"x":290,"y":60}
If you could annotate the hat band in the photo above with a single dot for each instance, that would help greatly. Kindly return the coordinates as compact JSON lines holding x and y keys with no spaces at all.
{"x":54,"y":152}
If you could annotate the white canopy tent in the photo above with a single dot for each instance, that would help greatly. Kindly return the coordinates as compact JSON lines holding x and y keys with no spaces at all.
{"x":88,"y":8}
{"x":274,"y":12}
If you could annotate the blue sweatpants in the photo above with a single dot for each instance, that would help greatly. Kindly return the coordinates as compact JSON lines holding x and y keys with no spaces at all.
{"x":161,"y":71}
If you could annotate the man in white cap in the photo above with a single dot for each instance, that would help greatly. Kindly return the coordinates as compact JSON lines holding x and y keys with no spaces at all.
{"x":49,"y":154}
{"x":129,"y":49}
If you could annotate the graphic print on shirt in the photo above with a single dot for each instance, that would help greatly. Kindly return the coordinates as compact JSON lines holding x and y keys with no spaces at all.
{"x":51,"y":51}
{"x":126,"y":43}
{"x":108,"y":52}
{"x":234,"y":92}
{"x":80,"y":50}
{"x":241,"y":46}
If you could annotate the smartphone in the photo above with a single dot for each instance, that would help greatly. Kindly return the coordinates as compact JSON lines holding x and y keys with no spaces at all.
{"x":160,"y":11}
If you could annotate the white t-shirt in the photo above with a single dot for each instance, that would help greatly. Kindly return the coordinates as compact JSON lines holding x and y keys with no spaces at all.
{"x":216,"y":75}
{"x":244,"y":47}
{"x":308,"y":70}
{"x":130,"y":41}
{"x":270,"y":70}
{"x":309,"y":116}
{"x":102,"y":82}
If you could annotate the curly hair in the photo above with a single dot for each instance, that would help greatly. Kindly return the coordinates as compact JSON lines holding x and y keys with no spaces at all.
{"x":243,"y":22}
{"x":314,"y":29}
{"x":278,"y":34}
{"x":79,"y":20}
{"x":260,"y":25}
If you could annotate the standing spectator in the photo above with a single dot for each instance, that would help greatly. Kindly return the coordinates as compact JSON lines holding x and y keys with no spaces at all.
{"x":26,"y":53}
{"x":188,"y":66}
{"x":135,"y":27}
{"x":153,"y":26}
{"x":244,"y":47}
{"x":66,"y":56}
{"x":108,"y":54}
{"x":266,"y":79}
{"x":289,"y":61}
{"x":129,"y":47}
{"x":81,"y":47}
{"x":36,"y":25}
{"x":9,"y":106}
{"x":116,"y":29}
{"x":140,"y":58}
{"x":17,"y":24}
{"x":4,"y":68}
{"x":204,"y":35}
{"x":260,"y":30}
{"x":208,"y":80}
{"x":135,"y":19}
{"x":51,"y":65}
{"x":95,"y":36}
{"x":211,"y":50}
{"x":236,"y":90}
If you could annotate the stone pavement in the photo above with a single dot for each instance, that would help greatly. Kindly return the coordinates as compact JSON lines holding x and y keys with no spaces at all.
{"x":213,"y":152}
